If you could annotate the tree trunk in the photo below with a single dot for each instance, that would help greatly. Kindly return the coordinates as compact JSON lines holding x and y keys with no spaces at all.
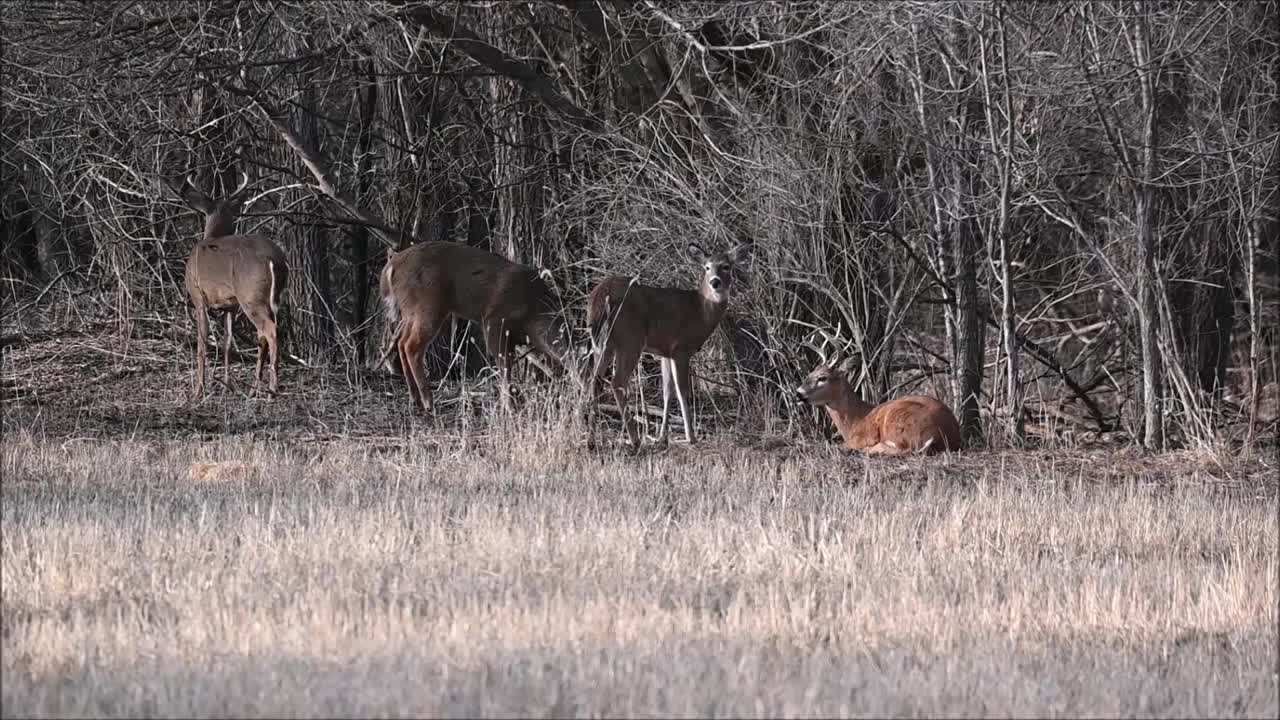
{"x":1148,"y":250}
{"x":317,"y":287}
{"x":359,"y":243}
{"x":1016,"y":427}
{"x":970,"y":333}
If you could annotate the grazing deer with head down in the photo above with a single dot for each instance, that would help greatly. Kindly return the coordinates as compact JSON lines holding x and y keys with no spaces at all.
{"x":628,"y":318}
{"x":910,"y":424}
{"x":423,"y":284}
{"x":225,"y":271}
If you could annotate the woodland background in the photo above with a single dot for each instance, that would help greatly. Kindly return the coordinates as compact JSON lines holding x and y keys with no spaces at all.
{"x":1055,"y":215}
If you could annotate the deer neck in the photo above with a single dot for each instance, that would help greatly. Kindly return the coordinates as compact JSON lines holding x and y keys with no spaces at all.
{"x":711,"y":308}
{"x":848,"y":410}
{"x":219,"y":225}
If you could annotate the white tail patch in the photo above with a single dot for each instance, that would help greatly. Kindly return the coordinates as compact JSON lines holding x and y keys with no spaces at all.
{"x":390,"y":308}
{"x":272,"y":297}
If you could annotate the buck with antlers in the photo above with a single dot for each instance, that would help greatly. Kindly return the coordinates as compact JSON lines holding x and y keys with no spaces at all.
{"x":910,"y":424}
{"x":423,"y":284}
{"x":226,"y":271}
{"x":628,"y":318}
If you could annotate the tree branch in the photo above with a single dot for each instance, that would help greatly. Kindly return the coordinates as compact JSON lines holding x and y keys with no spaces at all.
{"x":318,"y":164}
{"x":1045,"y":357}
{"x":500,"y":62}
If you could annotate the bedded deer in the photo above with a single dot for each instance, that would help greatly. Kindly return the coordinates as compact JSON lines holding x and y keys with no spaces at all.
{"x":423,"y":284}
{"x":910,"y":424}
{"x":628,"y":318}
{"x":226,"y":271}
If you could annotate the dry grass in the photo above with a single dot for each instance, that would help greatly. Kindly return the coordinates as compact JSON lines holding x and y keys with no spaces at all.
{"x":452,"y":575}
{"x":331,"y":553}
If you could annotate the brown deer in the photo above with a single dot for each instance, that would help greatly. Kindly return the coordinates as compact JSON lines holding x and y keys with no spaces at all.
{"x":628,"y":318}
{"x":423,"y":284}
{"x":910,"y":424}
{"x":226,"y":271}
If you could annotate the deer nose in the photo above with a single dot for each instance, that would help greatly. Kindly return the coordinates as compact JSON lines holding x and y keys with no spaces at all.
{"x":800,"y":394}
{"x":716,"y":283}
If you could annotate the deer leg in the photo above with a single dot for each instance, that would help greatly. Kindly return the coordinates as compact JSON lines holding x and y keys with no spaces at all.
{"x":593,"y":369}
{"x":538,"y":339}
{"x":497,"y":343}
{"x":273,"y":343}
{"x":684,"y":395}
{"x":263,"y":351}
{"x":202,"y":341}
{"x":266,"y":327}
{"x":413,"y":349}
{"x":625,"y":360}
{"x":413,"y":346}
{"x":226,"y":351}
{"x":668,"y":369}
{"x":402,"y":353}
{"x":596,"y":368}
{"x":886,"y":447}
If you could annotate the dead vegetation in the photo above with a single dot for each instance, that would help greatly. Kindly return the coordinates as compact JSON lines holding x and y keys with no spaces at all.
{"x":333,"y":553}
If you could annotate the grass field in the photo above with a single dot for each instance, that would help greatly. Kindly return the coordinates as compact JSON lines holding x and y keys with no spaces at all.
{"x":215,"y":562}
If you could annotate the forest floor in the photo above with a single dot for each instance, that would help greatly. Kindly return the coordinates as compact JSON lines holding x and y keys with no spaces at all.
{"x":330,"y":552}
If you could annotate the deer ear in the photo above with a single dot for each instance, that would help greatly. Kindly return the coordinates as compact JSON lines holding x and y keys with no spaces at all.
{"x":740,"y":252}
{"x":698,"y":251}
{"x":846,"y":364}
{"x":193,"y":197}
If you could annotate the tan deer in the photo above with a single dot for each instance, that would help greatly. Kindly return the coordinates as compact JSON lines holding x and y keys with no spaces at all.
{"x":226,"y":271}
{"x":910,"y":424}
{"x":628,"y":318}
{"x":423,"y":284}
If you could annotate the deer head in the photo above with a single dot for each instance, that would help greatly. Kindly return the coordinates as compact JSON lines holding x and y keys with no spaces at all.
{"x":717,"y":270}
{"x":220,"y":215}
{"x":831,"y":378}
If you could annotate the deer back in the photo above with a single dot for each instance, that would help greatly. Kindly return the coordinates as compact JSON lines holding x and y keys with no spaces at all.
{"x":669,"y":321}
{"x":237,"y":269}
{"x":666,"y":320}
{"x":225,"y":269}
{"x":915,"y":421}
{"x":437,"y":277}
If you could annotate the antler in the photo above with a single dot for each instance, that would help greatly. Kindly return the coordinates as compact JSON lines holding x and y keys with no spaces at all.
{"x":841,"y":346}
{"x":244,"y":183}
{"x":821,"y":350}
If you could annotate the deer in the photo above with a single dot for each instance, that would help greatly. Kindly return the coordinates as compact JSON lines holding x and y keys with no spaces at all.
{"x":903,"y":426}
{"x":627,"y":318}
{"x":226,"y":271}
{"x":422,"y":285}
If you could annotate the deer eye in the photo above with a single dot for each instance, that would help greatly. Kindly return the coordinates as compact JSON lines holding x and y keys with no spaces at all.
{"x":820,"y":379}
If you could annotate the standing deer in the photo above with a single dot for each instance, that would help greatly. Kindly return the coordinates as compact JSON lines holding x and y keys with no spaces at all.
{"x":421,"y":285}
{"x":628,"y":318}
{"x":225,"y":271}
{"x":910,"y":424}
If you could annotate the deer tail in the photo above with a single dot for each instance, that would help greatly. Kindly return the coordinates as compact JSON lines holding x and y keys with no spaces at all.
{"x":599,"y":309}
{"x":276,"y":290}
{"x":390,"y":307}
